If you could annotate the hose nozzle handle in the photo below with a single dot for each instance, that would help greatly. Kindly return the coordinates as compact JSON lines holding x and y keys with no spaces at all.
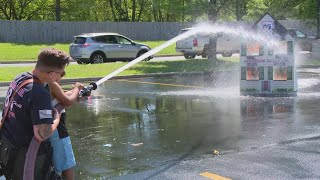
{"x":86,"y":91}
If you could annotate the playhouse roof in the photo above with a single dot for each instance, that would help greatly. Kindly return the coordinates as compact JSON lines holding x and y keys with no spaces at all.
{"x":278,"y":27}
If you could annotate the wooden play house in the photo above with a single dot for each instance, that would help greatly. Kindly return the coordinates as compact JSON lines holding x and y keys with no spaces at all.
{"x":268,"y":70}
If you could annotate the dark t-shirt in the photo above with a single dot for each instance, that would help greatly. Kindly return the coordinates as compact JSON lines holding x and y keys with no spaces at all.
{"x":31,"y":106}
{"x":62,"y":129}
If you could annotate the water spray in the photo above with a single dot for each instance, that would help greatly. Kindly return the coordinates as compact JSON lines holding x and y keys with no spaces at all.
{"x":203,"y":28}
{"x":86,"y":91}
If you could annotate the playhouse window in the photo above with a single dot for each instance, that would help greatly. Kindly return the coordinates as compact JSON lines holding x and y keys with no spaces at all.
{"x":252,"y":73}
{"x":281,"y":48}
{"x":280,"y":73}
{"x":253,"y":49}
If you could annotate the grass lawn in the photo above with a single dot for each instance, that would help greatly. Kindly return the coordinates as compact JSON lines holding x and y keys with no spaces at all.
{"x":27,"y":52}
{"x":101,"y":70}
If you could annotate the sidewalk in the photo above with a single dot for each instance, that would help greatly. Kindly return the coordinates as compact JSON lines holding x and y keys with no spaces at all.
{"x":34,"y":61}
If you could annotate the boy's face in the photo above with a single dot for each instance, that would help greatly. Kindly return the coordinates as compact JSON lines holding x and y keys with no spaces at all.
{"x":56,"y":75}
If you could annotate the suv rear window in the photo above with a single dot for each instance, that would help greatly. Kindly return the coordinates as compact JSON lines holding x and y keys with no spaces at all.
{"x":183,"y":31}
{"x":80,"y":40}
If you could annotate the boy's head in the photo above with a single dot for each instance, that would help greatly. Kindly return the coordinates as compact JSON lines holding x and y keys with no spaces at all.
{"x":51,"y":58}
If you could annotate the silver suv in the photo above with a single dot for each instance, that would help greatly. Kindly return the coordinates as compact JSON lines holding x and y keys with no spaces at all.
{"x":303,"y":40}
{"x":105,"y":47}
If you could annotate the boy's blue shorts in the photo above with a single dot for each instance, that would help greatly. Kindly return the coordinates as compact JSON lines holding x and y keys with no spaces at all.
{"x":63,"y":157}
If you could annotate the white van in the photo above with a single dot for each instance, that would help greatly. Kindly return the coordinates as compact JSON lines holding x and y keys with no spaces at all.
{"x":197,"y":45}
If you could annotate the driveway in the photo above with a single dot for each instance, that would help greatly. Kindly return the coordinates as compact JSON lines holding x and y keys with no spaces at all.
{"x":195,"y":127}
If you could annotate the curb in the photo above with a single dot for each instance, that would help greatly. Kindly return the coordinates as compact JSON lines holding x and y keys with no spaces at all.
{"x":17,"y":62}
{"x":94,"y":79}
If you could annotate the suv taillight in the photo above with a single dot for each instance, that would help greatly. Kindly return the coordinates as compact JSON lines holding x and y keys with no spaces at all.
{"x":84,"y":45}
{"x":195,"y":42}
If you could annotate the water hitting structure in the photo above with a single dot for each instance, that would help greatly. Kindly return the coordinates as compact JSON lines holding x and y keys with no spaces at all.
{"x":268,"y":70}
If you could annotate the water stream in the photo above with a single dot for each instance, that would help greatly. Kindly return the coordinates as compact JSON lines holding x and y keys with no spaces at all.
{"x":204,"y":28}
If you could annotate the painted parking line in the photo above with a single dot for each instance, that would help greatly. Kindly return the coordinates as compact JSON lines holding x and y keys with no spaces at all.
{"x":163,"y":84}
{"x":213,"y":176}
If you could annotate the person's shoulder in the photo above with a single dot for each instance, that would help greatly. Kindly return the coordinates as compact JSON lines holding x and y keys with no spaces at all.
{"x":40,"y":93}
{"x":19,"y":79}
{"x":23,"y":76}
{"x":39,"y":87}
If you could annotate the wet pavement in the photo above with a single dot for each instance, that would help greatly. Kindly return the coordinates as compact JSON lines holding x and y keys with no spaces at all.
{"x":181,"y":127}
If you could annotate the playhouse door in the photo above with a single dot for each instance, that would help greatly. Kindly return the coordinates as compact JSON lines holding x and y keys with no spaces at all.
{"x":265,"y":86}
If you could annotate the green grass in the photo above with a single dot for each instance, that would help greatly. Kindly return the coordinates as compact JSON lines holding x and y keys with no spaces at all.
{"x":166,"y":51}
{"x":101,"y":70}
{"x":27,"y":52}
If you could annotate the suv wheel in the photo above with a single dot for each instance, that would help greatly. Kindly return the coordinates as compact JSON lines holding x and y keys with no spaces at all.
{"x":140,"y":53}
{"x":189,"y":56}
{"x":97,"y":58}
{"x":79,"y":62}
{"x":226,"y":54}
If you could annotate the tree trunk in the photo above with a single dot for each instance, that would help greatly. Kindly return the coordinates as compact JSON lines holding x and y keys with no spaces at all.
{"x":318,"y":19}
{"x":155,"y":11}
{"x":113,"y":11}
{"x":58,"y":10}
{"x":126,"y":11}
{"x":213,"y":16}
{"x":142,"y":5}
{"x":241,"y":9}
{"x":183,"y":11}
{"x":4,"y":8}
{"x":133,"y":18}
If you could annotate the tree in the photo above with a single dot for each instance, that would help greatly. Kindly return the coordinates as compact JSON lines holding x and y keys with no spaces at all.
{"x":215,"y":7}
{"x":241,"y":9}
{"x":21,"y":9}
{"x":156,"y":10}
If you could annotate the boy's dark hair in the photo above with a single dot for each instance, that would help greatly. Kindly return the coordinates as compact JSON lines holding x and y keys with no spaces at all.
{"x":51,"y":58}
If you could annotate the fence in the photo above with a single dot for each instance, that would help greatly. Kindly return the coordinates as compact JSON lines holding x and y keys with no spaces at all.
{"x":63,"y":32}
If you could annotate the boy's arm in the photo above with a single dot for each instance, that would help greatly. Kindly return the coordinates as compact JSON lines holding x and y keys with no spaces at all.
{"x":65,"y":98}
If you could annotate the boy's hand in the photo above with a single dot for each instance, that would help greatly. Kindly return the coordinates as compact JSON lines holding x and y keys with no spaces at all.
{"x":78,"y":85}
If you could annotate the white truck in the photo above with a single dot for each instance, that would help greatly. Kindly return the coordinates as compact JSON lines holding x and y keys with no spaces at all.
{"x":197,"y":45}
